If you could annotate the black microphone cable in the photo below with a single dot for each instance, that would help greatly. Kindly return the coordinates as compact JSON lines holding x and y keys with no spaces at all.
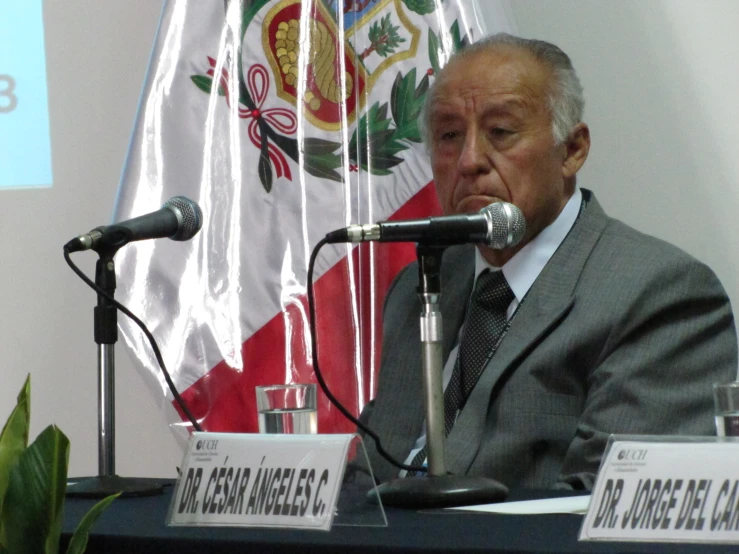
{"x":319,"y":376}
{"x":155,"y":348}
{"x":314,"y":347}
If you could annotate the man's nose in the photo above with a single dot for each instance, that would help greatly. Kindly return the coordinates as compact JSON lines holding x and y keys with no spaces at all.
{"x":474,"y":158}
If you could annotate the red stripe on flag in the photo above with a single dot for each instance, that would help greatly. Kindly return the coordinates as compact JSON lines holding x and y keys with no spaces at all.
{"x":224,"y":398}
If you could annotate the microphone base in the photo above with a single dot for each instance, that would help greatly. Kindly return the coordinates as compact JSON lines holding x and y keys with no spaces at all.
{"x":440,"y":491}
{"x":105,"y":485}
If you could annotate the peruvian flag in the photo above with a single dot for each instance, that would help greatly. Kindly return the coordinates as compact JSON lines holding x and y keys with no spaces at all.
{"x":283,"y":120}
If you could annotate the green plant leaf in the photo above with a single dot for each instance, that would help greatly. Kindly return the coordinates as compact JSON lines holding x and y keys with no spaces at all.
{"x":434,"y":50}
{"x":34,"y":501}
{"x":406,"y":103}
{"x":205,"y":83}
{"x":322,"y":167}
{"x":317,"y":146}
{"x":78,"y":543}
{"x":319,"y":158}
{"x":202,"y":82}
{"x":250,"y":8}
{"x":458,"y":41}
{"x":287,"y":144}
{"x":383,"y":37}
{"x":14,"y":437}
{"x":264,"y":168}
{"x":421,"y":7}
{"x":456,"y":38}
{"x":373,"y":142}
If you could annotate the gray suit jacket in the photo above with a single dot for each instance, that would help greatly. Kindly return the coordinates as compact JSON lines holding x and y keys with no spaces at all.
{"x":620,"y":333}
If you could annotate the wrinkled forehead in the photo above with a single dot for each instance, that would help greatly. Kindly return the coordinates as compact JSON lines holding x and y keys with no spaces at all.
{"x":503,"y":75}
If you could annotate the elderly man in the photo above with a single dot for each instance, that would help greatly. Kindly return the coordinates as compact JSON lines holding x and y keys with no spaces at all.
{"x":585,"y":328}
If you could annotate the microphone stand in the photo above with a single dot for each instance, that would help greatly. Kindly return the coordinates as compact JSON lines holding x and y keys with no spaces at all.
{"x":106,"y":335}
{"x":438,"y":489}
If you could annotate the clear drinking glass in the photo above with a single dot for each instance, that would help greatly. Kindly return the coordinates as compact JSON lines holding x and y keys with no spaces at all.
{"x":726,"y":402}
{"x":287,"y":409}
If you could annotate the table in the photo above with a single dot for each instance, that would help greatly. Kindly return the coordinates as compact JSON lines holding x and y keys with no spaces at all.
{"x":138,"y":525}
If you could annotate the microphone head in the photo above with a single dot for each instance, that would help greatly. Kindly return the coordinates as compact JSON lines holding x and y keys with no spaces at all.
{"x":189,"y":216}
{"x":507,"y":225}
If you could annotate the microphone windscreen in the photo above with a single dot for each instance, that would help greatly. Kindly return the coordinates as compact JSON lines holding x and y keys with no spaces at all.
{"x":189,"y":215}
{"x":509,"y":225}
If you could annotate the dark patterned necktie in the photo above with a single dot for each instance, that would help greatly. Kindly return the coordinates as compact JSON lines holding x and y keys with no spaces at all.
{"x":486,"y":321}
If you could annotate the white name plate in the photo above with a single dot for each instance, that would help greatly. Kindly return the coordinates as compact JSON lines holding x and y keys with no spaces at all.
{"x":250,"y":480}
{"x":666,"y":492}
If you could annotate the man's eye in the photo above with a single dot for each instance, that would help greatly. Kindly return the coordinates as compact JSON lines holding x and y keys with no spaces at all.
{"x":449,"y":135}
{"x":499,"y":132}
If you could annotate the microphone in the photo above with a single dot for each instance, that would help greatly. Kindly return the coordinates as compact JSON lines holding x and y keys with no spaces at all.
{"x":179,"y":219}
{"x":499,"y":225}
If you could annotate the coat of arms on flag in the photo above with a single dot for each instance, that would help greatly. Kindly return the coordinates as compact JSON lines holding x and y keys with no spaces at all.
{"x":284,"y":120}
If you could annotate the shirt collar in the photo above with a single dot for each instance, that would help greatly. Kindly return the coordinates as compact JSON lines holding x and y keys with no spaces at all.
{"x":522,"y":269}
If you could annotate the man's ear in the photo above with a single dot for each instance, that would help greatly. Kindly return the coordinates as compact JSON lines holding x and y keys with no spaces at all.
{"x":577,"y":147}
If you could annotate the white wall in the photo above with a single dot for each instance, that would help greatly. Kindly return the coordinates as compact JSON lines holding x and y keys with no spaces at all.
{"x":661,"y":83}
{"x":97,"y":54}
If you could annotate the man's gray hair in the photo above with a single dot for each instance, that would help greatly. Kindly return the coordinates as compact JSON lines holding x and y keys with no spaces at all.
{"x":566,"y":100}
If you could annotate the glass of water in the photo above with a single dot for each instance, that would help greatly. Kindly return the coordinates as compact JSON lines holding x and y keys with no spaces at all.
{"x":726,"y":401}
{"x":287,"y":409}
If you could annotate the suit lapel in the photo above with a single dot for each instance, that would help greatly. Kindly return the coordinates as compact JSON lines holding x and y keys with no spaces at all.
{"x":548,"y":302}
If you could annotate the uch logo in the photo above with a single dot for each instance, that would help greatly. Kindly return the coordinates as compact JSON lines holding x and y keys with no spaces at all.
{"x":8,"y":99}
{"x":206,"y":445}
{"x":632,"y":454}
